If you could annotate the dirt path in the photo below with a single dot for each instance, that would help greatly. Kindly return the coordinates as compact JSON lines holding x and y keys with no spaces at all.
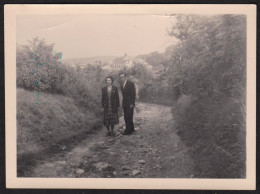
{"x":154,"y":150}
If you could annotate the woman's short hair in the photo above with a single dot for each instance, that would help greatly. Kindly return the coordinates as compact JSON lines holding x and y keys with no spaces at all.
{"x":110,"y":77}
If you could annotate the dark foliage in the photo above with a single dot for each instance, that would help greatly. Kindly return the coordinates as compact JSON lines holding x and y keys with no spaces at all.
{"x":208,"y":66}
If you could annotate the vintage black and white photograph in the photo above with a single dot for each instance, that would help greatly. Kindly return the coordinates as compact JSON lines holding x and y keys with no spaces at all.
{"x":130,"y":95}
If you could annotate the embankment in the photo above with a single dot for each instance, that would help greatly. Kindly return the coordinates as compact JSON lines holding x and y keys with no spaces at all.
{"x":49,"y":120}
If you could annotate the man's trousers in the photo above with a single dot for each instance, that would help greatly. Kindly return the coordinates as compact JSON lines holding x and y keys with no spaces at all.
{"x":128,"y":116}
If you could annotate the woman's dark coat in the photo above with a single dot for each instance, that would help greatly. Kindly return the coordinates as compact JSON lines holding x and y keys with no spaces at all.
{"x":114,"y":99}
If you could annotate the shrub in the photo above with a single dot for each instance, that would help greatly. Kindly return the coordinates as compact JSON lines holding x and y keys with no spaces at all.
{"x":38,"y":67}
{"x":209,"y":66}
{"x":70,"y":97}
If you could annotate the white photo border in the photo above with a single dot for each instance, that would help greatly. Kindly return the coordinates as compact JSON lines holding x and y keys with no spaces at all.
{"x":12,"y":181}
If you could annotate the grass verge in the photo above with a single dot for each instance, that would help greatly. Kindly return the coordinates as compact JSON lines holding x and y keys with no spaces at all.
{"x":55,"y":118}
{"x":215,"y":131}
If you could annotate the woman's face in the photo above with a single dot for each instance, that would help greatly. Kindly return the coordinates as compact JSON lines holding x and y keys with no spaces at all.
{"x":108,"y":81}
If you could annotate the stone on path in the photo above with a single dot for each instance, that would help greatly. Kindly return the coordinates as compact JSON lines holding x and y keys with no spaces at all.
{"x":61,"y":162}
{"x":126,"y":168}
{"x":136,"y":172}
{"x":110,"y":140}
{"x":101,"y":165}
{"x":63,"y":147}
{"x":137,"y":128}
{"x":79,"y":171}
{"x":125,"y":173}
{"x":141,"y":161}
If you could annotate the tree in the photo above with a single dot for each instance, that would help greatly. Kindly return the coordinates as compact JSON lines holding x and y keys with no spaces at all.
{"x":209,"y":65}
{"x":38,"y":66}
{"x":207,"y":46}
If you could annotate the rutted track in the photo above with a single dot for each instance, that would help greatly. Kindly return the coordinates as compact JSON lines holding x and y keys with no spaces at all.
{"x":154,"y":150}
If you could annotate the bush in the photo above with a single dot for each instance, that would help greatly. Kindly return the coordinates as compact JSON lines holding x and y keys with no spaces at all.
{"x":54,"y":98}
{"x":215,"y":131}
{"x":38,"y":67}
{"x":209,"y":66}
{"x":83,"y":86}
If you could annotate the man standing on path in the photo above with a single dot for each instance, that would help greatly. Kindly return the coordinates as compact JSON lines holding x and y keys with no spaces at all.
{"x":128,"y":104}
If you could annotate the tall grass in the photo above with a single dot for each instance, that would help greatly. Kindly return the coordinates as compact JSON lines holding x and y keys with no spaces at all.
{"x":56,"y":117}
{"x":215,"y":132}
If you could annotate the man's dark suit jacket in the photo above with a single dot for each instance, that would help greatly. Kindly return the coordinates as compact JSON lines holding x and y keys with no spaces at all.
{"x":128,"y":93}
{"x":114,"y":99}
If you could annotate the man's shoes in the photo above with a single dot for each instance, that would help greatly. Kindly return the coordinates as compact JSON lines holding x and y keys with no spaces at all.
{"x":126,"y":133}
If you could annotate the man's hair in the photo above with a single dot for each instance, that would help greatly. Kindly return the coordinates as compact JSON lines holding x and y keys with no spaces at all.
{"x":110,"y":77}
{"x":120,"y":73}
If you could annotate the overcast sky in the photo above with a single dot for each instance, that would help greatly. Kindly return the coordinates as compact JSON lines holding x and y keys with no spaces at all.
{"x":97,"y":35}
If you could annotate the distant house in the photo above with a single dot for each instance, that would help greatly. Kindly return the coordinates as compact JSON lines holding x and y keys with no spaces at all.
{"x":127,"y":61}
{"x":122,"y":62}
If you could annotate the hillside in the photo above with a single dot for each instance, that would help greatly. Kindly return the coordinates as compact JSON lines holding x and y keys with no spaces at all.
{"x":40,"y":125}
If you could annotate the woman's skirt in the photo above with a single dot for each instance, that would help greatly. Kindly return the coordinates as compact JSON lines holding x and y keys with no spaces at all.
{"x":110,"y":118}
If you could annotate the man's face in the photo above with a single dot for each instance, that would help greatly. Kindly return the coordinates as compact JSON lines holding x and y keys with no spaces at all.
{"x":122,"y":78}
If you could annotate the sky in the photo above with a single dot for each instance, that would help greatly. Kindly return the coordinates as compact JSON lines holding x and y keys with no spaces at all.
{"x":82,"y":36}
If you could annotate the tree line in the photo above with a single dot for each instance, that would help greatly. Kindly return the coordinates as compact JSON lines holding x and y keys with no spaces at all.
{"x":207,"y":69}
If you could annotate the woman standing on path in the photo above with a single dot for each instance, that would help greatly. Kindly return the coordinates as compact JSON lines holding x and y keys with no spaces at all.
{"x":110,"y":104}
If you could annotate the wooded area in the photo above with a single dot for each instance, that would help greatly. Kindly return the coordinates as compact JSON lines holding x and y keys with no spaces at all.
{"x":208,"y":65}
